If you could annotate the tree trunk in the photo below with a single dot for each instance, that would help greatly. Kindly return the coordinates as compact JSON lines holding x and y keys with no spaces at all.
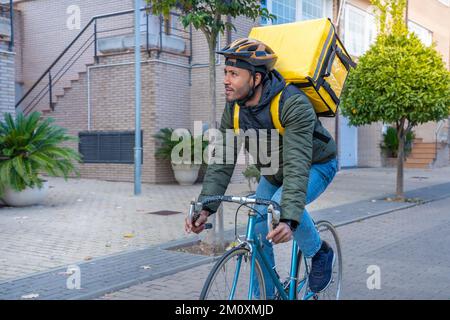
{"x":216,"y":234}
{"x":212,"y":81}
{"x":400,"y":158}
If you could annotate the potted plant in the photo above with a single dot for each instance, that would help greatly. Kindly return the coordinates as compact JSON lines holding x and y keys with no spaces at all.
{"x":389,"y":146}
{"x":187,"y":167}
{"x":30,"y":147}
{"x":252,"y":174}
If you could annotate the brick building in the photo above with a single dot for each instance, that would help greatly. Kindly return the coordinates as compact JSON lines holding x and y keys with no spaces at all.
{"x":75,"y":63}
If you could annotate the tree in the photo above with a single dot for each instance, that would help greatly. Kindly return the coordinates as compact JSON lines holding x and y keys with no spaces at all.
{"x":398,"y":80}
{"x":206,"y":16}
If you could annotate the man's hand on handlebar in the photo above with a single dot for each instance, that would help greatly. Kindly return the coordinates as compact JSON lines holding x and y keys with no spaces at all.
{"x":282,"y":233}
{"x":199,"y":224}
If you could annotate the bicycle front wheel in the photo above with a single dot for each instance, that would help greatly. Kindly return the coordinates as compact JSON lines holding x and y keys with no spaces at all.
{"x":229,"y":279}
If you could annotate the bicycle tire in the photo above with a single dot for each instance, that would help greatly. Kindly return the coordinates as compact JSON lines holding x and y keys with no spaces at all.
{"x":333,"y":291}
{"x":205,"y":294}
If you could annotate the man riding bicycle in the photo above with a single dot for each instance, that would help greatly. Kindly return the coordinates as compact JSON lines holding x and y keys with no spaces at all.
{"x":307,"y":155}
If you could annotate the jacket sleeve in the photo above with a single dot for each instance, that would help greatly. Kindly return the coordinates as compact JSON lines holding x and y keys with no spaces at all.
{"x":298,"y":118}
{"x":218,"y":175}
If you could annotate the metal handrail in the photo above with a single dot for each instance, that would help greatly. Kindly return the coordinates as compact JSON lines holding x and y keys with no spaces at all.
{"x":92,"y":21}
{"x":56,"y":75}
{"x":57,"y":80}
{"x":436,"y":133}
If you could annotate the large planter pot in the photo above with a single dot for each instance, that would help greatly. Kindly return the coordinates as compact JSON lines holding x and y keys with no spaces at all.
{"x":27,"y":197}
{"x":186,"y":174}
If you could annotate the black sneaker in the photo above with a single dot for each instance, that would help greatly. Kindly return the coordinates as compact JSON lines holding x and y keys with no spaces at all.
{"x":321,"y":268}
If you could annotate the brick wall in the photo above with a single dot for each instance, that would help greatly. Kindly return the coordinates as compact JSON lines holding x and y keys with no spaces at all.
{"x":45,"y":35}
{"x":45,"y":32}
{"x":165,"y":97}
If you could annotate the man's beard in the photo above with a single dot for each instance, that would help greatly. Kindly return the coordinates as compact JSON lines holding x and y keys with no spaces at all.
{"x":240,"y":94}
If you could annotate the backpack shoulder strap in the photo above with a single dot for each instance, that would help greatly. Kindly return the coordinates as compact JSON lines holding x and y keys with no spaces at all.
{"x":275,"y":111}
{"x":236,"y":118}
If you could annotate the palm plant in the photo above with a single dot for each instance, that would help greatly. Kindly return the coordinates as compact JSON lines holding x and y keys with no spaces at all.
{"x":30,"y":147}
{"x":167,"y":144}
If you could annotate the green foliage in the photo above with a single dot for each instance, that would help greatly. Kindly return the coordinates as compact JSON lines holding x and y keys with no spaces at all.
{"x":206,"y":15}
{"x":168,"y":140}
{"x":390,"y":142}
{"x":252,"y":172}
{"x":390,"y":16}
{"x":397,"y":78}
{"x":29,"y":147}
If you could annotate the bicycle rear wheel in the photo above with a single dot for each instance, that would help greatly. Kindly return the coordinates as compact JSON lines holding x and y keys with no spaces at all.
{"x":329,"y":234}
{"x":234,"y":266}
{"x":332,"y":292}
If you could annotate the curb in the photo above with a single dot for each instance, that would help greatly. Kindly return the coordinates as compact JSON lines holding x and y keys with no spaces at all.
{"x":381,"y":213}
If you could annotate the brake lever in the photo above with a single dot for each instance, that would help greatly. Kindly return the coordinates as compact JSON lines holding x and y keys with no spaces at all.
{"x":194,"y":213}
{"x":273,"y":218}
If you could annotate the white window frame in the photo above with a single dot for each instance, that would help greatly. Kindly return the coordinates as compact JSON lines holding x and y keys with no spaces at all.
{"x":327,"y":9}
{"x":445,"y":2}
{"x":370,"y":29}
{"x":429,"y":40}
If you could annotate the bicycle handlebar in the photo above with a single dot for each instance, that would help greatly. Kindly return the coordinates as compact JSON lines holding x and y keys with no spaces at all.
{"x":273,"y":208}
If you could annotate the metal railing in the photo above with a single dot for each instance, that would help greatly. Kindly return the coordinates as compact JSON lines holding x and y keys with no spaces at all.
{"x":439,"y":128}
{"x":44,"y":88}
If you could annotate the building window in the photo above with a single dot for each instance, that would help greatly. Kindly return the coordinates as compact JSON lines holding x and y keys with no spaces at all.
{"x":288,"y":11}
{"x":360,"y":30}
{"x":312,"y":9}
{"x":424,"y":34}
{"x":107,"y":147}
{"x":154,"y":22}
{"x":285,"y":10}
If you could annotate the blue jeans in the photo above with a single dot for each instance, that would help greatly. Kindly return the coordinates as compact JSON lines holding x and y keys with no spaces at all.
{"x":307,"y":237}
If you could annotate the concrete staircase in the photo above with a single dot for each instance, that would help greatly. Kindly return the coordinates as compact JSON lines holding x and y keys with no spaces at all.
{"x":66,"y":83}
{"x":422,"y":154}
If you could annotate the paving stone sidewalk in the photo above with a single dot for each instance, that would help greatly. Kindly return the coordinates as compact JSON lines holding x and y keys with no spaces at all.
{"x":85,"y":219}
{"x":123,"y":270}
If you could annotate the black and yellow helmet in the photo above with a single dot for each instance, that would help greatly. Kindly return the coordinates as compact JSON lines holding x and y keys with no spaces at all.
{"x":251,"y":51}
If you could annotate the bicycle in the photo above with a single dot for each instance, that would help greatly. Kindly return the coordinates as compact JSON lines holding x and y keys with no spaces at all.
{"x":246,"y":260}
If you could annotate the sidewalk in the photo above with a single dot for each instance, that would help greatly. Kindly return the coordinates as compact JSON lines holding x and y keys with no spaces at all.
{"x":86,"y":219}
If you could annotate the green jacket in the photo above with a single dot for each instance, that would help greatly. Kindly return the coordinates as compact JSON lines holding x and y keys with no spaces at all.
{"x":297,"y":150}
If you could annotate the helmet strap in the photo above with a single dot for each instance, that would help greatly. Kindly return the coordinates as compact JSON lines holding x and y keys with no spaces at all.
{"x":252,"y":91}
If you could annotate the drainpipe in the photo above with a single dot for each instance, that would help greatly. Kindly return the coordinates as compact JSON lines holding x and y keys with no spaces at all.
{"x":137,"y":132}
{"x":407,"y":13}
{"x":336,"y":120}
{"x":11,"y":18}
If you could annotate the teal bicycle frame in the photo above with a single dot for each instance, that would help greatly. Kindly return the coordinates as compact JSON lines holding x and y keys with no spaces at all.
{"x":257,"y":253}
{"x":253,"y":244}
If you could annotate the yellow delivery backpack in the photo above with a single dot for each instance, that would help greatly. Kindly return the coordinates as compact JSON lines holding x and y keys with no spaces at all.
{"x":310,"y":56}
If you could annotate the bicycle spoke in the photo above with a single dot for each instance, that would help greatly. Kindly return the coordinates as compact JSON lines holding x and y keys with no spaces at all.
{"x":220,"y":282}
